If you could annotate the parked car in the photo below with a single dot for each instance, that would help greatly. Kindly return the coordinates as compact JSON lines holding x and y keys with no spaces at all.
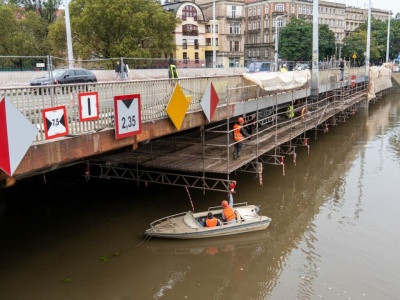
{"x":396,"y":65}
{"x":259,"y":67}
{"x":301,"y":67}
{"x":65,"y":76}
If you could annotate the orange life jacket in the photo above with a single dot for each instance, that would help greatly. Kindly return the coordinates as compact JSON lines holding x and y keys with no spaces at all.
{"x":211,"y":222}
{"x":237,"y":135}
{"x":229,"y":214}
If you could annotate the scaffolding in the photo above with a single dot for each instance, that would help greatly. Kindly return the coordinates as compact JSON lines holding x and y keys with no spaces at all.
{"x":179,"y":159}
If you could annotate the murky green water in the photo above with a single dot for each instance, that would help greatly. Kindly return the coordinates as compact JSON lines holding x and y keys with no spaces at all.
{"x":335,"y":231}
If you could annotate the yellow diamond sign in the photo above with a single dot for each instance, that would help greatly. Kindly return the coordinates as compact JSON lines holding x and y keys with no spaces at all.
{"x":177,"y":107}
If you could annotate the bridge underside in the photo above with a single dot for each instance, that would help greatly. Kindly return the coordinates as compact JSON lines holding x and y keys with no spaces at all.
{"x":202,"y":158}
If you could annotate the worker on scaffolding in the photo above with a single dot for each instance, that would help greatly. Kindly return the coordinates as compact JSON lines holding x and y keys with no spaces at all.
{"x":239,"y":133}
{"x":290,"y":112}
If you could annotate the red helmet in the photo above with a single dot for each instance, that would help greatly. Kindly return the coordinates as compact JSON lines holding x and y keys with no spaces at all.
{"x":224,"y":204}
{"x":240,"y":120}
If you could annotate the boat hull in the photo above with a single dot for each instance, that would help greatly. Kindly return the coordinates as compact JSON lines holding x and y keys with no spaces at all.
{"x":189,"y":226}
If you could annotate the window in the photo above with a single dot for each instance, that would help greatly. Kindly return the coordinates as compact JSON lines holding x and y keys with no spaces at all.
{"x":189,"y":11}
{"x":258,"y":10}
{"x":185,"y":58}
{"x":190,"y":30}
{"x":279,"y":7}
{"x":279,"y":22}
{"x":233,"y":11}
{"x":196,"y":57}
{"x":184,"y":43}
{"x":234,"y":46}
{"x":208,"y":42}
{"x":196,"y":44}
{"x":249,"y":12}
{"x":250,"y":26}
{"x":266,"y":8}
{"x":234,"y":28}
{"x":300,"y":9}
{"x":292,"y":8}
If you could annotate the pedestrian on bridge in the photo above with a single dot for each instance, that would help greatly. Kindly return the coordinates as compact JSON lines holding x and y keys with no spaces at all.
{"x":239,"y":133}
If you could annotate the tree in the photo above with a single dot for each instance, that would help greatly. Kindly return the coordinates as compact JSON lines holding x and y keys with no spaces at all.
{"x":356,"y":42}
{"x":47,"y":9}
{"x":8,"y":29}
{"x":121,"y":28}
{"x":295,"y":41}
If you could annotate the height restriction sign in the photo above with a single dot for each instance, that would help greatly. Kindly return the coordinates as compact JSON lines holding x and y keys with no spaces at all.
{"x":55,"y":122}
{"x":128,"y":120}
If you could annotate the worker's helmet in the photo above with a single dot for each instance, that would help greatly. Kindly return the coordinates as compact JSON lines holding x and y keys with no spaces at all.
{"x":284,"y":65}
{"x":224,"y":204}
{"x":240,"y":120}
{"x":210,"y":215}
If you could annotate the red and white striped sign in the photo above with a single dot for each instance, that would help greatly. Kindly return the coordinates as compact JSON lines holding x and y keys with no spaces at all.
{"x":16,"y":136}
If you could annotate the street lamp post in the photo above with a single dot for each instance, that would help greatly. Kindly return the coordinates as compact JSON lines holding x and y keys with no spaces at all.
{"x":68,"y":32}
{"x":276,"y":42}
{"x":388,"y":36}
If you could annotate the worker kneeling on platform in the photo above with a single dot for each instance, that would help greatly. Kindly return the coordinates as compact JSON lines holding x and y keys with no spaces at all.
{"x":239,"y":133}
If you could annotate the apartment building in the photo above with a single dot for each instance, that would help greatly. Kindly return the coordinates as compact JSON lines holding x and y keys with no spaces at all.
{"x":229,"y":24}
{"x":190,"y":34}
{"x":246,"y":30}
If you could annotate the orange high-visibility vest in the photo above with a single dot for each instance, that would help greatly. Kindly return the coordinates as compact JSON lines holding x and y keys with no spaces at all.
{"x":237,"y":135}
{"x":211,"y":222}
{"x":229,"y":214}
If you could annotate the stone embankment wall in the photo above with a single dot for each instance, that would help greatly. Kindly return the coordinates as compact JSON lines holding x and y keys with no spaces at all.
{"x":396,"y":83}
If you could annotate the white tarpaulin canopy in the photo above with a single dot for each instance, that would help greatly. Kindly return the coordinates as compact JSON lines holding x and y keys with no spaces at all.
{"x":277,"y":81}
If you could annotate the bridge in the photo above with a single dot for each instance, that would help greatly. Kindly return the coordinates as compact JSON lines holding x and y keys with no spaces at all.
{"x":173,"y":149}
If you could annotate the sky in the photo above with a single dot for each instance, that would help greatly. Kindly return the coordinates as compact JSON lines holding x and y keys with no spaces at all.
{"x":393,"y":5}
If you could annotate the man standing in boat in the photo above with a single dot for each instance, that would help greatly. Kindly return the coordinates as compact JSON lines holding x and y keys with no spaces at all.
{"x":228,"y":215}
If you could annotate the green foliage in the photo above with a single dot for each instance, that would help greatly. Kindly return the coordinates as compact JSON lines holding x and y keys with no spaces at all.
{"x":295,"y":40}
{"x":121,"y":28}
{"x":356,"y":42}
{"x":46,"y":9}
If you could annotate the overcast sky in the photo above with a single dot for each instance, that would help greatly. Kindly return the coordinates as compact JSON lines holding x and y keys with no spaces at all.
{"x":393,"y":5}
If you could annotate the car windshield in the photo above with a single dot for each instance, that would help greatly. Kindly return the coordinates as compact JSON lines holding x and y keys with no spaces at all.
{"x":56,"y":73}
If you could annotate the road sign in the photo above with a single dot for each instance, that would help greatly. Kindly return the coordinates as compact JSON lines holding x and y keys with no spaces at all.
{"x":55,"y":122}
{"x":209,"y":102}
{"x":88,"y":106}
{"x":354,"y":56}
{"x":128,"y":120}
{"x":16,"y":136}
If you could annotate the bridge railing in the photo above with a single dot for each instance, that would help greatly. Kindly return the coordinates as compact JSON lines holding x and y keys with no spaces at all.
{"x":155,"y":96}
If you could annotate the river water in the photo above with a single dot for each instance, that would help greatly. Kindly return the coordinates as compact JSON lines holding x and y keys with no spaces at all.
{"x":335,"y":230}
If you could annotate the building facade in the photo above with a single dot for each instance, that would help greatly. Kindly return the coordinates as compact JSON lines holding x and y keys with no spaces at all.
{"x":238,"y":32}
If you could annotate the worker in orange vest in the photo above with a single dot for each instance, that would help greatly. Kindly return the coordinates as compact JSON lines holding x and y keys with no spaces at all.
{"x":228,"y":215}
{"x":212,"y":221}
{"x":239,"y":133}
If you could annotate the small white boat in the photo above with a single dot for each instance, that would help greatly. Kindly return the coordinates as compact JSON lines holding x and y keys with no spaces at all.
{"x":189,"y":225}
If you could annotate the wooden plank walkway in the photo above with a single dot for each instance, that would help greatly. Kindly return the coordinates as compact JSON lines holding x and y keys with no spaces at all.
{"x":187,"y":153}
